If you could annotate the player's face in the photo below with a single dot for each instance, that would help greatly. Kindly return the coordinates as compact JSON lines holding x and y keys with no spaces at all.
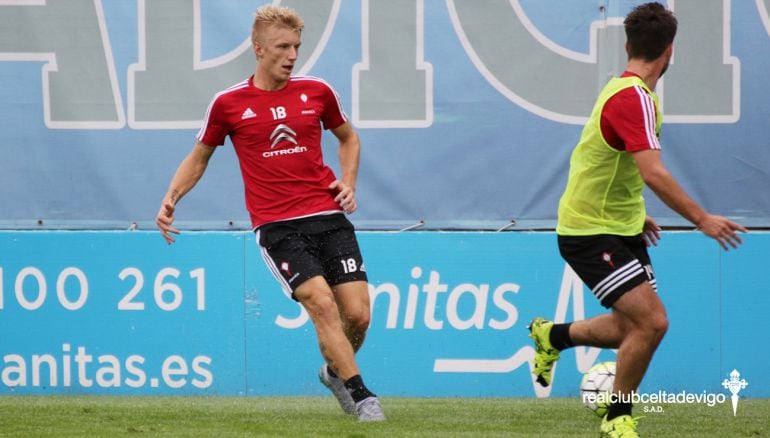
{"x":277,"y":52}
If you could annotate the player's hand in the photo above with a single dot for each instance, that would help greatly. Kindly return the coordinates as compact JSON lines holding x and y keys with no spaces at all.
{"x":722,"y":230}
{"x":650,"y":232}
{"x":164,"y":220}
{"x":346,"y":196}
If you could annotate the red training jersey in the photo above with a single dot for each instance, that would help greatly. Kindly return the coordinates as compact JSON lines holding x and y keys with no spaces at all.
{"x":277,"y":138}
{"x":628,"y":120}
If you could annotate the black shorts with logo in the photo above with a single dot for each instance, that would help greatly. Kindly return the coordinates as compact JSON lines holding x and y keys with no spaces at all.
{"x":299,"y":249}
{"x":610,"y":265}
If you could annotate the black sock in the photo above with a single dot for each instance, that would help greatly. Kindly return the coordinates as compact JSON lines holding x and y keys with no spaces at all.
{"x":330,"y":371}
{"x":357,"y":389}
{"x":617,"y":409}
{"x":559,"y":336}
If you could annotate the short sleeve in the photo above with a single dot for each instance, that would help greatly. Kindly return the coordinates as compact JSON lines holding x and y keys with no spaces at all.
{"x":333,"y":114}
{"x":215,"y":127}
{"x":629,"y":120}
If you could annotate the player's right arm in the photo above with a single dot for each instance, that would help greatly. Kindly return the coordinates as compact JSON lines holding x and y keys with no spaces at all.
{"x":187,"y":175}
{"x":658,"y":178}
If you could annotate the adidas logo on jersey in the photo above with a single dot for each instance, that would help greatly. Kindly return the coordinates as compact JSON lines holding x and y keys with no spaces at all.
{"x":248,"y":114}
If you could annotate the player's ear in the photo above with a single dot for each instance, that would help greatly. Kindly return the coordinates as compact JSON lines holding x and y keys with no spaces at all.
{"x":257,"y":48}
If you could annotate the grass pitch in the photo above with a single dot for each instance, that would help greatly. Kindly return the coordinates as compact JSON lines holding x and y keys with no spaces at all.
{"x":107,"y":416}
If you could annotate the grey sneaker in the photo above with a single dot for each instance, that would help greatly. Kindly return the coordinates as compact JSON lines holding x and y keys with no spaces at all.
{"x":337,"y":388}
{"x":369,"y":409}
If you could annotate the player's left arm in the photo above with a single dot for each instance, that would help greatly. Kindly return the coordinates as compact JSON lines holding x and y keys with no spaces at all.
{"x":349,"y":155}
{"x":660,"y":180}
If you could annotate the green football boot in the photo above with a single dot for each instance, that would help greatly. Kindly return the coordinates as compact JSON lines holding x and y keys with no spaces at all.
{"x":623,"y":426}
{"x":545,"y":354}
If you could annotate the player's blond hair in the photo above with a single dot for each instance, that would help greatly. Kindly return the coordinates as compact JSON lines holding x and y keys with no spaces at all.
{"x":270,"y":15}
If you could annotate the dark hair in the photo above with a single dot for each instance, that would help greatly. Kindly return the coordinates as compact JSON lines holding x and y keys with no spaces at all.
{"x":650,"y":28}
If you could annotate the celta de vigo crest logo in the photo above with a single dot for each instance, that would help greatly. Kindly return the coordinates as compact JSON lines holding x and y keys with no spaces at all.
{"x":735,"y":384}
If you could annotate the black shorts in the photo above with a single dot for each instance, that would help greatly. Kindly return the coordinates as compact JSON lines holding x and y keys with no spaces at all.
{"x":297,"y":250}
{"x":609,"y":265}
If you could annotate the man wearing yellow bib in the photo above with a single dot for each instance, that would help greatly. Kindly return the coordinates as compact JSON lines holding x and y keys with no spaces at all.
{"x":603,"y":230}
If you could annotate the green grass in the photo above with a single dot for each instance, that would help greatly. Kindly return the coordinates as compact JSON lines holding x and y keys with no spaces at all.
{"x":107,"y":416}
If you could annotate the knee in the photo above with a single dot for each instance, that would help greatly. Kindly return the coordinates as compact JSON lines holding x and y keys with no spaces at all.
{"x":658,"y":326}
{"x":662,"y":327}
{"x":320,"y":304}
{"x":359,"y":321}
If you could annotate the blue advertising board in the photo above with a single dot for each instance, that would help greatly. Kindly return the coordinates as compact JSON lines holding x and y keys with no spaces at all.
{"x":123,"y":313}
{"x":117,"y":313}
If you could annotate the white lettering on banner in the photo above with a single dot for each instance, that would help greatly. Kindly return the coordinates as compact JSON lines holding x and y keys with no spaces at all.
{"x":489,"y":36}
{"x":42,"y":286}
{"x":293,"y":323}
{"x":464,"y":296}
{"x":30,"y":288}
{"x":763,"y":6}
{"x":43,"y":370}
{"x":571,"y":286}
